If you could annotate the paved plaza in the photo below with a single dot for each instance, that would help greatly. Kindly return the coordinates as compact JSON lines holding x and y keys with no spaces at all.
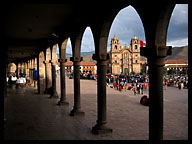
{"x":32,"y":116}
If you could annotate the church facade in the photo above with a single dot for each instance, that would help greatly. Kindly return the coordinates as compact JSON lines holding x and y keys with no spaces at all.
{"x":125,"y":59}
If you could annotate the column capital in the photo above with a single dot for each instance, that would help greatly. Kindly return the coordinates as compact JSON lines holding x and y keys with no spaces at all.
{"x":53,"y":62}
{"x":156,"y":51}
{"x":101,"y":57}
{"x":62,"y":60}
{"x":156,"y":54}
{"x":74,"y":59}
{"x":46,"y":62}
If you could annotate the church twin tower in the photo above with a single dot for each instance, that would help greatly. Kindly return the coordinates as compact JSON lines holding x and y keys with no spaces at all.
{"x":124,"y":59}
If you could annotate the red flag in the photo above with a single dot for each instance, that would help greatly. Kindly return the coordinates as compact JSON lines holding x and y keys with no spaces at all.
{"x":142,"y":44}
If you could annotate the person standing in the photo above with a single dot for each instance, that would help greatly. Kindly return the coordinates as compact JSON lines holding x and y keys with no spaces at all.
{"x":142,"y":87}
{"x":125,"y":86}
{"x":179,"y":85}
{"x":138,"y":89}
{"x":182,"y":85}
{"x":166,"y":85}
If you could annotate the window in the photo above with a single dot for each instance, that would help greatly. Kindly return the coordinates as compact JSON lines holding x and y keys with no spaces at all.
{"x":115,"y":55}
{"x":115,"y":61}
{"x":135,"y":61}
{"x":135,"y":55}
{"x":116,"y":47}
{"x":135,"y":46}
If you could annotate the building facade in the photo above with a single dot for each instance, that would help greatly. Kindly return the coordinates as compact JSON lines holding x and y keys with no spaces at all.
{"x":85,"y":67}
{"x":181,"y":66}
{"x":125,"y":59}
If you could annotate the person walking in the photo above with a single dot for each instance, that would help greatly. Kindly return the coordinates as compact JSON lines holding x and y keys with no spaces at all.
{"x":125,"y":86}
{"x":138,"y":90}
{"x":142,"y":87}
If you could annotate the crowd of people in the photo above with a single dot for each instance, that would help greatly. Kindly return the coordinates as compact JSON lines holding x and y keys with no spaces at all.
{"x":180,"y":81}
{"x":20,"y":80}
{"x":138,"y":84}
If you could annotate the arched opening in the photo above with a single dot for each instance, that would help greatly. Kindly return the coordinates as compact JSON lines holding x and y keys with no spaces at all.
{"x":175,"y":72}
{"x":48,"y":68}
{"x":35,"y":71}
{"x":12,"y":67}
{"x":87,"y":50}
{"x":58,"y":86}
{"x":177,"y":35}
{"x":126,"y":33}
{"x":68,"y":64}
{"x":125,"y":65}
{"x":42,"y":72}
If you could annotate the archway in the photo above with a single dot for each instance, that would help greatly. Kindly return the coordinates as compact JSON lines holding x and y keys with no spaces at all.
{"x":12,"y":67}
{"x":126,"y":26}
{"x":177,"y":34}
{"x":48,"y":69}
{"x":88,"y":47}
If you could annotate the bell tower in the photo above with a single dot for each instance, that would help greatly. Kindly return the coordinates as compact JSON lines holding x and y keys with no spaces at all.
{"x":135,"y":48}
{"x":115,"y":55}
{"x":115,"y":45}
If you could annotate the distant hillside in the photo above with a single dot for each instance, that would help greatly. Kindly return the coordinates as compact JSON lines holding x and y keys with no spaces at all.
{"x":86,"y":55}
{"x":179,"y":53}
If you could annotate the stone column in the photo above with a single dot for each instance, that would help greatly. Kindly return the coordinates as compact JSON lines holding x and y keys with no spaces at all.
{"x":156,"y":62}
{"x":17,"y":70}
{"x":62,"y":100}
{"x":77,"y":102}
{"x":46,"y":76}
{"x":31,"y":76}
{"x":38,"y":77}
{"x":101,"y":126}
{"x":54,"y":92}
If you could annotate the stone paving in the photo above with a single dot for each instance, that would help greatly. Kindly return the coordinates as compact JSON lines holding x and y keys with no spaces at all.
{"x":32,"y":116}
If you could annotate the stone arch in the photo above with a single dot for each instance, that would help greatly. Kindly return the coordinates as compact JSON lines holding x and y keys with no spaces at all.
{"x":127,"y":17}
{"x":54,"y":52}
{"x":12,"y":67}
{"x":48,"y":54}
{"x":42,"y":72}
{"x":156,"y":32}
{"x":48,"y":74}
{"x":62,"y":49}
{"x":76,"y":39}
{"x":175,"y":23}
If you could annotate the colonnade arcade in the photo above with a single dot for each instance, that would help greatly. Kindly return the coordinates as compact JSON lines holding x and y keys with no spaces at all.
{"x":45,"y":63}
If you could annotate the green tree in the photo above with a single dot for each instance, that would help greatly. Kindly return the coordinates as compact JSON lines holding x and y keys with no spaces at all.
{"x":171,"y":71}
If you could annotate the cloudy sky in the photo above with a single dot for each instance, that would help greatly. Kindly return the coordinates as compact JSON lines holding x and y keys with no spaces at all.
{"x":127,"y":24}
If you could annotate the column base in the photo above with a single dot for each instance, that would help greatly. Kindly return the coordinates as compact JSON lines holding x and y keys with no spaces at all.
{"x":54,"y":96}
{"x":101,"y":129}
{"x":77,"y":112}
{"x":63,"y":102}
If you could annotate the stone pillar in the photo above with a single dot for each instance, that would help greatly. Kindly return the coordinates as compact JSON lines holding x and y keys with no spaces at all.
{"x":38,"y":77}
{"x":54,"y":92}
{"x":77,"y":102}
{"x":31,"y":76}
{"x":62,"y":100}
{"x":101,"y":126}
{"x":46,"y":76}
{"x":17,"y":70}
{"x":156,"y":62}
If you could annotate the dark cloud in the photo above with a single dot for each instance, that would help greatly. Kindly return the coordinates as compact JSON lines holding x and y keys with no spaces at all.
{"x":178,"y":26}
